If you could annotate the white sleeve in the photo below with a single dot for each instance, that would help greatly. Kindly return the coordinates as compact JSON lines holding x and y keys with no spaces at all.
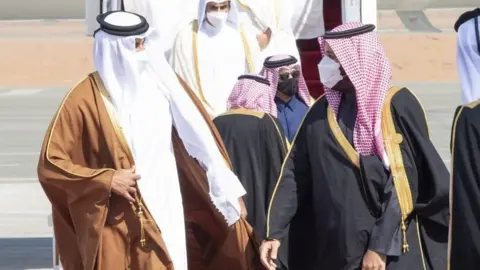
{"x":225,"y":188}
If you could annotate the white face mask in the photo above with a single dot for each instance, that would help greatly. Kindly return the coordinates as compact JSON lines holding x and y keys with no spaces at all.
{"x":217,"y":18}
{"x":329,"y":71}
{"x":142,"y":58}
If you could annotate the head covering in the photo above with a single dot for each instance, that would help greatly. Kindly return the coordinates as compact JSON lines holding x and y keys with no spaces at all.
{"x":149,"y":101}
{"x":271,"y":69}
{"x":252,"y":92}
{"x":468,"y":54}
{"x":232,"y":14}
{"x":363,"y":58}
{"x":116,"y":58}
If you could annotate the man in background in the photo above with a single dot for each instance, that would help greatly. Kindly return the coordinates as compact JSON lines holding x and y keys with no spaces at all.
{"x":211,"y":52}
{"x":291,"y":93}
{"x":464,"y":248}
{"x":255,"y":143}
{"x":468,"y":55}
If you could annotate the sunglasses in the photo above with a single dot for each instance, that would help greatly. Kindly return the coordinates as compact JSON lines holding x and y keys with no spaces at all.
{"x":286,"y":75}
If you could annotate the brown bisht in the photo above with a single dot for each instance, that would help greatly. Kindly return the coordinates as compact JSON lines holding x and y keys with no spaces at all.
{"x":96,"y":229}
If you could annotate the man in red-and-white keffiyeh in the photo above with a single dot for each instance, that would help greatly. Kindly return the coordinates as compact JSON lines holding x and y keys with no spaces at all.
{"x":255,"y":143}
{"x":363,"y":169}
{"x":292,"y":98}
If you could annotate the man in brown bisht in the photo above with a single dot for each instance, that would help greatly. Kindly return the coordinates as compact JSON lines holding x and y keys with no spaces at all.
{"x":129,"y":120}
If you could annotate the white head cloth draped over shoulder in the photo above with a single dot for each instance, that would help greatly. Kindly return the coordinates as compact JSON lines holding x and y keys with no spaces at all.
{"x":363,"y":58}
{"x":468,"y":54}
{"x":271,"y":70}
{"x":148,"y":101}
{"x":115,"y":56}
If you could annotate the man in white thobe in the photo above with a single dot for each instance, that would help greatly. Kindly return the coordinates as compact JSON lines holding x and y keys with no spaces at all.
{"x":468,"y":54}
{"x":212,"y":51}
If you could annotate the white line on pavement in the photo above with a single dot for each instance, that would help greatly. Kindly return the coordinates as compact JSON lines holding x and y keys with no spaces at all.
{"x":20,"y":92}
{"x":9,"y":164}
{"x":19,"y":154}
{"x":10,"y":180}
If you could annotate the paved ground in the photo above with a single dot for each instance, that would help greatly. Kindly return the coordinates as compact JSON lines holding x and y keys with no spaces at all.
{"x":42,"y":54}
{"x":24,"y":115}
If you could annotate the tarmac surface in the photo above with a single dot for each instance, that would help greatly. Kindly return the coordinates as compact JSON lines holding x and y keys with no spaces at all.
{"x":25,"y":237}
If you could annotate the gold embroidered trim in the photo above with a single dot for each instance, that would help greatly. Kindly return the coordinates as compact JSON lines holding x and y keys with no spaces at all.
{"x":270,"y":204}
{"x":249,"y":59}
{"x":352,"y":154}
{"x":451,"y":183}
{"x":52,"y":129}
{"x":392,"y":141}
{"x":243,"y":112}
{"x":473,"y":104}
{"x":107,"y":101}
{"x":420,"y":244}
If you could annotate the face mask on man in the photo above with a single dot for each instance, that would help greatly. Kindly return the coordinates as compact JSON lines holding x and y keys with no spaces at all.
{"x":288,"y":87}
{"x":142,"y":59}
{"x":217,"y":18}
{"x":329,"y":71}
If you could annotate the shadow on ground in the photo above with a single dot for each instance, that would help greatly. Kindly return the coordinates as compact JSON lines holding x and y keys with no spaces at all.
{"x":25,"y":253}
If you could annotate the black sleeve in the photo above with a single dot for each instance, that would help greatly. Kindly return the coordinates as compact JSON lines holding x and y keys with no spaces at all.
{"x":291,"y":188}
{"x":427,"y":174}
{"x":276,"y":148}
{"x":465,"y":199}
{"x":385,"y":237}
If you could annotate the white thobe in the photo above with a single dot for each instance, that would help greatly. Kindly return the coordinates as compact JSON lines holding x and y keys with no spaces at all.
{"x":148,"y":129}
{"x":221,"y":58}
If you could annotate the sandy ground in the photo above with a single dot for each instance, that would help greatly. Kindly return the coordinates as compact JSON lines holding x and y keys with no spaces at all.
{"x":35,"y":54}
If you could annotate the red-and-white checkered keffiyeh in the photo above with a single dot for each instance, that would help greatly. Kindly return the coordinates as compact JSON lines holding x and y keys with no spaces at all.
{"x":365,"y":62}
{"x":252,"y":95}
{"x":272,"y":74}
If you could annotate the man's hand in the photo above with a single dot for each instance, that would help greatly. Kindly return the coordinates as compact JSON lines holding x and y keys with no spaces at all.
{"x":124,"y":182}
{"x":264,"y":38}
{"x":374,"y":261}
{"x":243,"y":208}
{"x":268,"y":253}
